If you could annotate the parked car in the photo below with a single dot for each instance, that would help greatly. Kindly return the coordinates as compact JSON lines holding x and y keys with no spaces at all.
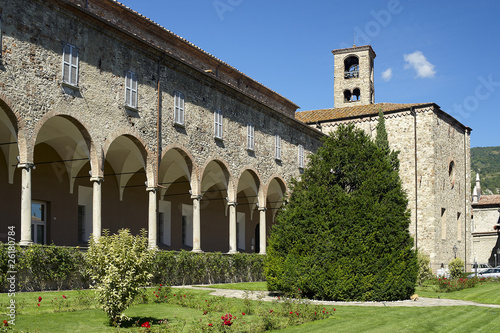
{"x":490,"y":272}
{"x":480,"y":267}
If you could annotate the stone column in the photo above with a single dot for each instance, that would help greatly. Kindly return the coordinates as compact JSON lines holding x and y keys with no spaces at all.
{"x":26,"y":203}
{"x":262,"y":230}
{"x":196,"y":223}
{"x":96,"y":206}
{"x":232,"y":227}
{"x":152,"y":217}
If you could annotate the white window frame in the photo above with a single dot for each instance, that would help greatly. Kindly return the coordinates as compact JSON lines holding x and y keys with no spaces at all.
{"x":178,"y":108}
{"x":218,"y":124}
{"x":301,"y":156}
{"x":70,"y":61}
{"x":131,"y":89}
{"x":37,"y":221}
{"x":277,"y":147}
{"x":250,"y":137}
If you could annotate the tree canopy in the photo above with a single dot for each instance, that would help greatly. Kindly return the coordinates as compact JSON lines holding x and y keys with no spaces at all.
{"x":343,"y":232}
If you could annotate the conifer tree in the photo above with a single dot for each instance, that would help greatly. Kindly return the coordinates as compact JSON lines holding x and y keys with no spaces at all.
{"x":383,"y":143}
{"x":343,"y":232}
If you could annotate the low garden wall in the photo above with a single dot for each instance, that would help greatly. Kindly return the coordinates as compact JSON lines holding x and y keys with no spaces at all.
{"x":50,"y":267}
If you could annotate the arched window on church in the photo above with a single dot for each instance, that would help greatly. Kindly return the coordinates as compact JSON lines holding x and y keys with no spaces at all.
{"x":356,"y":94}
{"x":351,"y":67}
{"x":347,"y":95}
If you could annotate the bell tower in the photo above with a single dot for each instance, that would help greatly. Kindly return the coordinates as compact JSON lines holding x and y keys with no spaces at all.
{"x":353,"y":76}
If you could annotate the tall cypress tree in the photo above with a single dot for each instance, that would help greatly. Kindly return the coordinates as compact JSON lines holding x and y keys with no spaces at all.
{"x":343,"y":233}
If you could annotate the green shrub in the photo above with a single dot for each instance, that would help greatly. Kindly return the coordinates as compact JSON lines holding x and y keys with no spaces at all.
{"x":448,"y":285}
{"x":424,"y":268}
{"x":343,"y":234}
{"x":119,"y":266}
{"x":456,"y":268}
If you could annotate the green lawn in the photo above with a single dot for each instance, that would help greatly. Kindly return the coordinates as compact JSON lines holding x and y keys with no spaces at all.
{"x":483,"y":292}
{"x":78,"y":313}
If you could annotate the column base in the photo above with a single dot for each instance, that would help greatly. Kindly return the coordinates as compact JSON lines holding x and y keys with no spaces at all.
{"x":25,"y":243}
{"x":197,"y":251}
{"x":232,"y":252}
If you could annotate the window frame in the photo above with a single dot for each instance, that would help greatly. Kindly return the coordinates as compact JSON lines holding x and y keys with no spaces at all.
{"x":218,"y":126}
{"x":131,"y":90}
{"x":74,"y":54}
{"x":301,"y":157}
{"x":179,"y":108}
{"x":250,"y":137}
{"x":42,"y":223}
{"x":277,"y":147}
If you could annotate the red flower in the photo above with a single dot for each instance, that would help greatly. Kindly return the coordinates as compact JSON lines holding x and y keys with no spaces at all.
{"x":334,"y":309}
{"x":291,"y":312}
{"x":39,"y":299}
{"x":174,"y":294}
{"x":64,"y":296}
{"x":184,"y":295}
{"x":271,"y":310}
{"x":146,"y":324}
{"x":161,"y":285}
{"x":210,"y":325}
{"x":38,"y":304}
{"x":5,"y":323}
{"x":243,"y":313}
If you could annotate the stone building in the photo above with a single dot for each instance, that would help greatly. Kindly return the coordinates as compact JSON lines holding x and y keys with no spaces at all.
{"x":108,"y":121}
{"x":434,"y":154}
{"x":485,"y":226}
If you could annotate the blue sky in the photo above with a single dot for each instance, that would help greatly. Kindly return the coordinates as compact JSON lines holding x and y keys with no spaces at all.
{"x":445,"y":52}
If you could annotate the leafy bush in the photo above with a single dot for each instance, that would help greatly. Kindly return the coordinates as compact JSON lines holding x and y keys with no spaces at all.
{"x":119,"y":265}
{"x":456,"y":267}
{"x":449,"y":285}
{"x":343,"y":234}
{"x":424,"y":268}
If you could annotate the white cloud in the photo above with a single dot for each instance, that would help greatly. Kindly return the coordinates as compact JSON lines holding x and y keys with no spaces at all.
{"x":420,"y":64}
{"x":387,"y":74}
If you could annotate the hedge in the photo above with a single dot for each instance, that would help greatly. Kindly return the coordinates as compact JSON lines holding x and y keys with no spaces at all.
{"x":50,"y":267}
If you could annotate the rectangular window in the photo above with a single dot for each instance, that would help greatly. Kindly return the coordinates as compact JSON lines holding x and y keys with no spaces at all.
{"x":81,"y":224}
{"x":131,"y":89}
{"x":277,"y":147}
{"x":70,"y":64}
{"x":443,"y":223}
{"x":218,"y":124}
{"x":38,"y":222}
{"x":178,"y":108}
{"x":301,"y":156}
{"x":250,"y":137}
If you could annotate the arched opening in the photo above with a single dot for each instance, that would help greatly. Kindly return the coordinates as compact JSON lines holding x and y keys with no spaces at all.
{"x":351,"y":67}
{"x":347,"y":95}
{"x":175,"y":206}
{"x":124,"y":195}
{"x":247,"y":211}
{"x":274,"y":200}
{"x":61,"y":192}
{"x":10,"y":176}
{"x":356,"y":94}
{"x":214,"y":208}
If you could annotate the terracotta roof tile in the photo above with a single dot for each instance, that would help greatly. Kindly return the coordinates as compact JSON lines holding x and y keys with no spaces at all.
{"x":488,"y":200}
{"x":351,"y":111}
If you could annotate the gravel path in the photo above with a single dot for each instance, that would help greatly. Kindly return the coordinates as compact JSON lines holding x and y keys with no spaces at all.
{"x":268,"y":297}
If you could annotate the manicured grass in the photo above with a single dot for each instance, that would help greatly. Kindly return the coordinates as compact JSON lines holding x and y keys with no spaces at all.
{"x":483,"y":292}
{"x":251,"y":286}
{"x":401,"y":319}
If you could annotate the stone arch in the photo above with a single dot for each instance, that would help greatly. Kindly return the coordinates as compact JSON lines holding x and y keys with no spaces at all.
{"x":249,"y":182}
{"x":148,"y":157}
{"x":73,"y":153}
{"x":125,"y":166}
{"x":228,"y":180}
{"x":277,"y":188}
{"x":189,"y":167}
{"x":356,"y":94}
{"x":12,"y":139}
{"x":351,"y":66}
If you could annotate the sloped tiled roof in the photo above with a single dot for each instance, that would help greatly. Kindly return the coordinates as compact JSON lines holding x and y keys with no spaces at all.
{"x":487,"y":200}
{"x":351,"y":111}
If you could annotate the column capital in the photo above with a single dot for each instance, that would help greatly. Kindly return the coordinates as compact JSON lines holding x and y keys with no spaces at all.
{"x":262,"y":209}
{"x":97,"y":179}
{"x":151,"y":189}
{"x":232,"y":203}
{"x":26,"y":165}
{"x":196,"y":197}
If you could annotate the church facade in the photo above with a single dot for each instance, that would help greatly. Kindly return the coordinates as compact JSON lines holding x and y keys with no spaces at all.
{"x":434,"y":154}
{"x":109,"y":121}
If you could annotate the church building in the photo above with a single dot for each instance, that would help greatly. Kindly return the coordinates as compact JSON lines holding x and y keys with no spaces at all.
{"x":434,"y":154}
